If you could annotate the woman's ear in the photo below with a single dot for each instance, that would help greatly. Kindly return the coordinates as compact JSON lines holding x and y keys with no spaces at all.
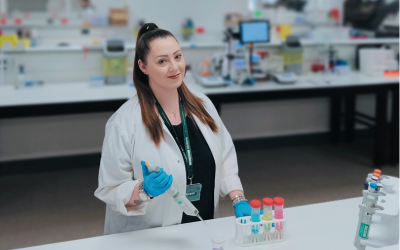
{"x":142,"y":67}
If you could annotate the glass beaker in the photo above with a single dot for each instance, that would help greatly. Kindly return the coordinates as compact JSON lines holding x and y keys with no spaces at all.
{"x":217,"y":243}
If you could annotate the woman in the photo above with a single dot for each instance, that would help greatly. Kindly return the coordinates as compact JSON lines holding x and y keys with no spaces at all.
{"x":169,"y":126}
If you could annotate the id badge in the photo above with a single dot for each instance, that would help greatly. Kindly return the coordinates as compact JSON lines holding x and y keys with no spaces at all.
{"x":193,"y":192}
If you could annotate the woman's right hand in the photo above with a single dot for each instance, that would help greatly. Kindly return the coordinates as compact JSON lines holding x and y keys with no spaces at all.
{"x":155,"y":183}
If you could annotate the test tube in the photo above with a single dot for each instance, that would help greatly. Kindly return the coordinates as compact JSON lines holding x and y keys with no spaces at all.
{"x":278,"y":205}
{"x":255,"y":210}
{"x":267,"y":208}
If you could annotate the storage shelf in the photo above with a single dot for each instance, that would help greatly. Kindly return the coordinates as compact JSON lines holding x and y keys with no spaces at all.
{"x":205,"y":44}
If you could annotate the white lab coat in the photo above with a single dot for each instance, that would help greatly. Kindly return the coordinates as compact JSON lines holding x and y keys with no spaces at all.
{"x":127,"y":143}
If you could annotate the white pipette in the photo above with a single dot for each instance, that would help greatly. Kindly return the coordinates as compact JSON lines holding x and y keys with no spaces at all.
{"x":179,"y":198}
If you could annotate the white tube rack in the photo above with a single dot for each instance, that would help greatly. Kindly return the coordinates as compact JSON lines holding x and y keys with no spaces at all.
{"x":245,"y":229}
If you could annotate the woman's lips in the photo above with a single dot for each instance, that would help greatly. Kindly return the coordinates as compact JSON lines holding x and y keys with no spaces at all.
{"x":175,"y":76}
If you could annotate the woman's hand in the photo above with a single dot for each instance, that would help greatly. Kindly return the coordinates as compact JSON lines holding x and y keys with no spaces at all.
{"x":155,"y":183}
{"x":242,"y":209}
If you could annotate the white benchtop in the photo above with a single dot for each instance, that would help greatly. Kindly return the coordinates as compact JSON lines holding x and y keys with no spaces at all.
{"x":327,"y":226}
{"x":81,"y":91}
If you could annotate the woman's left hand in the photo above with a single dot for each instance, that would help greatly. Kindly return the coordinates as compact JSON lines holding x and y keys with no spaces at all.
{"x":242,"y":209}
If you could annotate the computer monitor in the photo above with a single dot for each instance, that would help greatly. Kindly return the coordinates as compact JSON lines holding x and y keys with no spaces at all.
{"x":254,"y":31}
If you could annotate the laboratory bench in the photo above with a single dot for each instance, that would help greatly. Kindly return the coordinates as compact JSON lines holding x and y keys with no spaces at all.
{"x":201,"y":42}
{"x":329,"y":225}
{"x":79,"y":98}
{"x":342,"y":91}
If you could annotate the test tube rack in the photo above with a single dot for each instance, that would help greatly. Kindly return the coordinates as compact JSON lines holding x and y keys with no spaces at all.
{"x":250,"y":233}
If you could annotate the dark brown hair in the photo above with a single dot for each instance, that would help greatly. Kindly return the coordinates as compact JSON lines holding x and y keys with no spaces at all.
{"x":150,"y":116}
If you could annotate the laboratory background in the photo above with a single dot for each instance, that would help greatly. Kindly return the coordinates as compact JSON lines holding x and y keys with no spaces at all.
{"x":307,"y":89}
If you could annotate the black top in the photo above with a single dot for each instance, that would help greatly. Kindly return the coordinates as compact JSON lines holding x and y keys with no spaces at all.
{"x":203,"y":171}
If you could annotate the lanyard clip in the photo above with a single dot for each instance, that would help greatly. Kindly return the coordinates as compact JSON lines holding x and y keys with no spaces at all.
{"x":190,"y":178}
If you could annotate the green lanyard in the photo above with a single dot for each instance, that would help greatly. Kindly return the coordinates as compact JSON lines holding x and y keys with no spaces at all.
{"x":188,"y":155}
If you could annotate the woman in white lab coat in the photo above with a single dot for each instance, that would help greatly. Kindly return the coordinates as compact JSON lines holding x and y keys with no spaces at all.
{"x":151,"y":127}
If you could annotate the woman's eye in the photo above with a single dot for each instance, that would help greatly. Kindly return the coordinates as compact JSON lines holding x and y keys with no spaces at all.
{"x":161,"y":61}
{"x":178,"y":57}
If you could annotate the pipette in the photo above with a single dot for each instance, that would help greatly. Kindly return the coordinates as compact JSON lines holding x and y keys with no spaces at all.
{"x":179,"y":198}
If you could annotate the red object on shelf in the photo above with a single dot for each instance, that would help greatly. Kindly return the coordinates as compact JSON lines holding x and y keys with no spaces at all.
{"x":18,"y":21}
{"x":335,"y":13}
{"x":317,"y":67}
{"x":391,"y":73}
{"x":85,"y":52}
{"x":278,"y":28}
{"x":200,"y":30}
{"x":64,"y":20}
{"x":3,"y":21}
{"x":1,"y":32}
{"x":262,"y":54}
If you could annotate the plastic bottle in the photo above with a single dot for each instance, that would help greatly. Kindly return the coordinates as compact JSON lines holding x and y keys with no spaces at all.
{"x":21,"y":76}
{"x":278,"y":207}
{"x":255,"y":210}
{"x":205,"y":68}
{"x":267,"y":208}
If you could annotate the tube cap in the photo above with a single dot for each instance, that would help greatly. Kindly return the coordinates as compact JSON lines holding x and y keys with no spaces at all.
{"x":373,"y":185}
{"x":279,"y":201}
{"x":255,"y":203}
{"x":377,"y":171}
{"x":376,"y":175}
{"x":268,"y":202}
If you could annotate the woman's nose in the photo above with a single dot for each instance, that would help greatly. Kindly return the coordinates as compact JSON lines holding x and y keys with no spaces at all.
{"x":173,"y":67}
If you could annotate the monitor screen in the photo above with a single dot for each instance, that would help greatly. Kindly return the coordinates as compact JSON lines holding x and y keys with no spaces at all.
{"x":254,"y":32}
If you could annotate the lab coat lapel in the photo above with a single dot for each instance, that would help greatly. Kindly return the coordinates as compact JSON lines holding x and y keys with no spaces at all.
{"x":165,"y":128}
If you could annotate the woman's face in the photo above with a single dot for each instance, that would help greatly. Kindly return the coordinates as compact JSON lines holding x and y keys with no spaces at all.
{"x":165,"y":64}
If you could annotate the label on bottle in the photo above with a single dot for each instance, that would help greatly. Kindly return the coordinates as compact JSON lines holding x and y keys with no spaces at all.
{"x":364,"y":229}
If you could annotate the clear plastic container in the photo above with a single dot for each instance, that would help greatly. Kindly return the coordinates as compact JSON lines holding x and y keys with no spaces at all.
{"x":255,"y":210}
{"x":278,"y":207}
{"x":205,"y":68}
{"x":267,"y":208}
{"x":217,"y":243}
